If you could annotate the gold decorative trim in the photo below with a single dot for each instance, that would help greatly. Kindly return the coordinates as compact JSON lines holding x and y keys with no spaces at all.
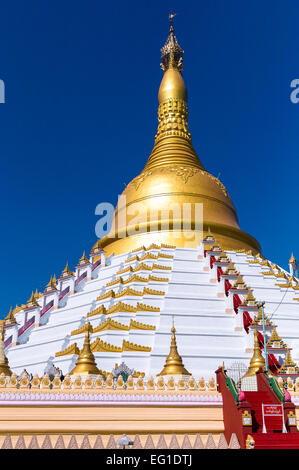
{"x":153,"y":246}
{"x":163,"y":255}
{"x":147,"y":291}
{"x":146,"y":308}
{"x":158,"y":279}
{"x":108,"y":294}
{"x":128,"y":346}
{"x":158,"y":266}
{"x":128,"y":291}
{"x":286,"y":285}
{"x":142,"y":267}
{"x":168,"y":246}
{"x":101,"y":346}
{"x":125,"y":270}
{"x":118,"y":280}
{"x":110,"y":324}
{"x":98,"y":311}
{"x":135,"y":278}
{"x":141,"y":248}
{"x":82,"y":329}
{"x":148,"y":256}
{"x":72,"y":349}
{"x":134,"y":258}
{"x":136,"y":325}
{"x":121,"y":307}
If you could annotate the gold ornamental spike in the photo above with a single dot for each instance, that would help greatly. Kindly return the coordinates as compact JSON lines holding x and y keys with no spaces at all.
{"x":288,"y":360}
{"x":239,"y":284}
{"x":32,"y":301}
{"x":292,"y":259}
{"x":51,"y":285}
{"x":257,"y":361}
{"x":83,"y":259}
{"x":67,"y":272}
{"x":174,"y":364}
{"x":10,"y":316}
{"x":86,"y":363}
{"x":4,"y":366}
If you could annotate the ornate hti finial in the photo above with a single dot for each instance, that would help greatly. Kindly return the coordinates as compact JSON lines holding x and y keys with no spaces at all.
{"x":4,"y":367}
{"x":257,"y":361}
{"x":171,"y":53}
{"x":86,"y":363}
{"x":174,"y":364}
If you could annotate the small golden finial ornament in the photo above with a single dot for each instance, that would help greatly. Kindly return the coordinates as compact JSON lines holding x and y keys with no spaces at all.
{"x":173,"y":364}
{"x":67,"y":272}
{"x":257,"y":361}
{"x":86,"y":364}
{"x":83,"y":260}
{"x":32,"y":302}
{"x":10,"y":316}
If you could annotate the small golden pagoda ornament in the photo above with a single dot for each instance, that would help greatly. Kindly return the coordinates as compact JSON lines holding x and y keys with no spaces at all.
{"x":66,"y":272}
{"x":10,"y":317}
{"x":174,"y":364}
{"x":257,"y":361}
{"x":4,"y":367}
{"x":32,"y":302}
{"x":86,"y":364}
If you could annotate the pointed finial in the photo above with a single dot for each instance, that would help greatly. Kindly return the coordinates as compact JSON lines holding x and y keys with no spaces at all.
{"x":11,"y":316}
{"x":171,"y":16}
{"x":86,"y":363}
{"x":83,"y":259}
{"x":292,"y":259}
{"x":66,"y":272}
{"x":51,"y":285}
{"x":32,"y":301}
{"x":257,"y":361}
{"x":171,"y":53}
{"x":174,"y":364}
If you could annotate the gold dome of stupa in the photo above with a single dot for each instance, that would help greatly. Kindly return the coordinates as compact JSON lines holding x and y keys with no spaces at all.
{"x":174,"y":193}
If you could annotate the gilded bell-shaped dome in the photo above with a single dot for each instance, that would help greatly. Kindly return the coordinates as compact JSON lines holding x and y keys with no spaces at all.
{"x":174,"y":200}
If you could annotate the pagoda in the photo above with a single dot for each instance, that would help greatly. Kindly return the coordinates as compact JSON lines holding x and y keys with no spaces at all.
{"x":119,"y":305}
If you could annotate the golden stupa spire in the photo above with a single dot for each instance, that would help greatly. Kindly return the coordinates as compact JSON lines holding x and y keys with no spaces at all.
{"x":10,"y":316}
{"x":172,"y":177}
{"x":292,"y":259}
{"x":86,"y":363}
{"x":67,"y":272}
{"x":83,"y":259}
{"x":32,"y":302}
{"x":257,"y":361}
{"x":174,"y":364}
{"x":4,"y":367}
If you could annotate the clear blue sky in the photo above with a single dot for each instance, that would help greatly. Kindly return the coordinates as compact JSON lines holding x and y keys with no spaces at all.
{"x":80,"y":117}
